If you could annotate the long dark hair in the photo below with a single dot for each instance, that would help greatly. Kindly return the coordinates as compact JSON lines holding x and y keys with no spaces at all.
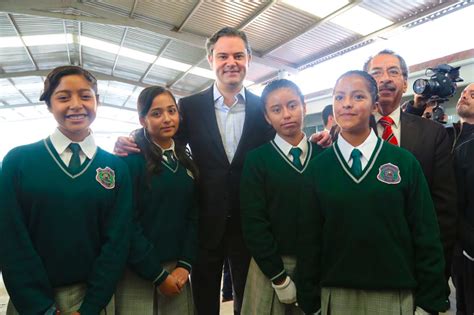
{"x":150,"y":150}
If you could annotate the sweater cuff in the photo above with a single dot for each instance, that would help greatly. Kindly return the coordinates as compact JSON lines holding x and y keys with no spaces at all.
{"x":279,"y":277}
{"x":161,"y":278}
{"x":184,"y":264}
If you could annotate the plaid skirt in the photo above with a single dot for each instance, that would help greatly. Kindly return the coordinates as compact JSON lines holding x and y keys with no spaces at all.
{"x":340,"y":301}
{"x":136,"y":295}
{"x":68,"y":300}
{"x":260,"y":297}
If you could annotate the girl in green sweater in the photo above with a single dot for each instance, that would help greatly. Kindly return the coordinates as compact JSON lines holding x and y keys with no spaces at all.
{"x":271,"y":182}
{"x":65,"y":210}
{"x":164,"y":238}
{"x":371,"y":240}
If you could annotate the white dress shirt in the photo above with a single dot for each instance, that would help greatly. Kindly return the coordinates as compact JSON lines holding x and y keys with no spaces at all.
{"x":230,"y":120}
{"x":61,"y":142}
{"x":285,"y":147}
{"x":170,"y":148}
{"x":366,"y":148}
{"x":395,"y":115}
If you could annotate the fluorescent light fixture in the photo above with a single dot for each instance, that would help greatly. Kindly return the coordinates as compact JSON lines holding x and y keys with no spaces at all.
{"x":51,"y":39}
{"x":99,"y":45}
{"x":319,"y":8}
{"x":137,"y":55}
{"x":206,"y":73}
{"x":10,"y":42}
{"x":361,"y":21}
{"x":172,"y":64}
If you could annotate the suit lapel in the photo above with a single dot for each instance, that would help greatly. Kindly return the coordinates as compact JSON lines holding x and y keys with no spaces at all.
{"x":408,"y":134}
{"x":209,"y":119}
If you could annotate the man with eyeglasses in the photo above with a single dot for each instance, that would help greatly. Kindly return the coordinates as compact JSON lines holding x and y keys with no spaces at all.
{"x":425,"y":139}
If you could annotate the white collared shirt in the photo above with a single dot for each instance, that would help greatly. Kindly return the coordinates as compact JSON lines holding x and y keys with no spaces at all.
{"x":366,"y":148}
{"x":61,"y":142}
{"x":285,"y":147}
{"x":230,"y":120}
{"x":172,"y":148}
{"x":395,"y":115}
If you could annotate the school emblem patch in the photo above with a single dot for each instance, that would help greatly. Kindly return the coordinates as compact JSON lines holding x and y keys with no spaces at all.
{"x":389,"y":174}
{"x":106,"y":177}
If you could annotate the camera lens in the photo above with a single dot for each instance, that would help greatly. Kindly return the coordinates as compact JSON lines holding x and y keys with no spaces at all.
{"x":419,"y":86}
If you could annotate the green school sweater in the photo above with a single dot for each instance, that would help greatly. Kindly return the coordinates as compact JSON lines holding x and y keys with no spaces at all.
{"x":165,"y":225}
{"x":269,"y":198}
{"x":378,"y":231}
{"x":59,"y":229}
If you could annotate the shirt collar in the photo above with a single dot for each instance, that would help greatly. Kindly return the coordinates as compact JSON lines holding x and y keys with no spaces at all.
{"x":285,"y":147}
{"x":61,"y":142}
{"x":217,"y":94}
{"x":366,"y":148}
{"x":395,"y":115}
{"x":170,"y":148}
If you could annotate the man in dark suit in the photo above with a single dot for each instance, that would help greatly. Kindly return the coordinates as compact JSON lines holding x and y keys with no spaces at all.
{"x":427,"y":140}
{"x":221,"y":124}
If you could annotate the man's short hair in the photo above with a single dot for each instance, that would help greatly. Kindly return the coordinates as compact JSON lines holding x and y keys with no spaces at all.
{"x":327,"y":111}
{"x":403,"y":64}
{"x":226,"y":32}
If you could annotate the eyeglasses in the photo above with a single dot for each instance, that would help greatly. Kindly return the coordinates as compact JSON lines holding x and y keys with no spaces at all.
{"x":392,"y":72}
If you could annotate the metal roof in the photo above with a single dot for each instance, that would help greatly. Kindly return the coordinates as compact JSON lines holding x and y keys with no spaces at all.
{"x":134,"y":43}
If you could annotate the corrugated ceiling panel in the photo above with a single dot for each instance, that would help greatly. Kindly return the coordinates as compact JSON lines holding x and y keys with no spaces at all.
{"x":313,"y":42}
{"x":108,"y":33}
{"x":123,"y":8}
{"x":213,"y":15}
{"x":132,"y":102}
{"x":15,"y":59}
{"x":6,"y":28}
{"x":184,"y":53}
{"x":34,"y":25}
{"x":97,"y":60}
{"x":161,"y":75}
{"x":258,"y":71}
{"x":171,"y":13}
{"x":130,"y":69}
{"x":398,"y":10}
{"x":116,"y":93}
{"x":143,"y":41}
{"x":204,"y":64}
{"x":275,"y":26}
{"x":190,"y":83}
{"x":50,"y":56}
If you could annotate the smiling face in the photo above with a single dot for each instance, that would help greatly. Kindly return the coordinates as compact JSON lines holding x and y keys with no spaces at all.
{"x":465,"y":106}
{"x":230,"y":61}
{"x":285,"y":111}
{"x":162,"y":120}
{"x":386,"y":70}
{"x":353,"y":105}
{"x":74,"y":104}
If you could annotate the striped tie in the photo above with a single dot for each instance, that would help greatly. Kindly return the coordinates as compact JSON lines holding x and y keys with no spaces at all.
{"x":388,"y":135}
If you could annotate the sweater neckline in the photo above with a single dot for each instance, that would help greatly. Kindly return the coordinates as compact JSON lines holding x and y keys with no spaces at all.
{"x":59,"y":162}
{"x":287,"y":160}
{"x":368,"y":167}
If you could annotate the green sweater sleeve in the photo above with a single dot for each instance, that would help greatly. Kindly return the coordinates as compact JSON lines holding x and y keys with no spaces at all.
{"x":190,"y":245}
{"x":109,"y":265}
{"x":23,"y":271}
{"x":256,"y":225}
{"x":430,"y":293}
{"x":308,"y":247}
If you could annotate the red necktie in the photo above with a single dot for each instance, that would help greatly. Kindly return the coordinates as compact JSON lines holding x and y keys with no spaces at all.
{"x":388,"y":135}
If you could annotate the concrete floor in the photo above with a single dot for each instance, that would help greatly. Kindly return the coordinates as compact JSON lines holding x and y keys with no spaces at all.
{"x":226,"y":308}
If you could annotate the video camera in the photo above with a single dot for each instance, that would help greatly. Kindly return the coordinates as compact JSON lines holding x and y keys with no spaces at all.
{"x":438,"y":88}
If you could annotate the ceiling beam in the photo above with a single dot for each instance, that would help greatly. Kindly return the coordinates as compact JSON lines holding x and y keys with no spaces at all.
{"x":128,"y":97}
{"x":80,"y":44}
{"x":103,"y":16}
{"x":189,"y":16}
{"x":158,"y":55}
{"x":180,"y":76}
{"x":19,"y":91}
{"x":255,"y":16}
{"x":134,"y":8}
{"x":343,"y":9}
{"x":17,"y":31}
{"x":67,"y":44}
{"x":120,"y":48}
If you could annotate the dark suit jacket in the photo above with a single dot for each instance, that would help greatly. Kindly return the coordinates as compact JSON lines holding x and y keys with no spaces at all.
{"x":219,"y":180}
{"x":430,"y":144}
